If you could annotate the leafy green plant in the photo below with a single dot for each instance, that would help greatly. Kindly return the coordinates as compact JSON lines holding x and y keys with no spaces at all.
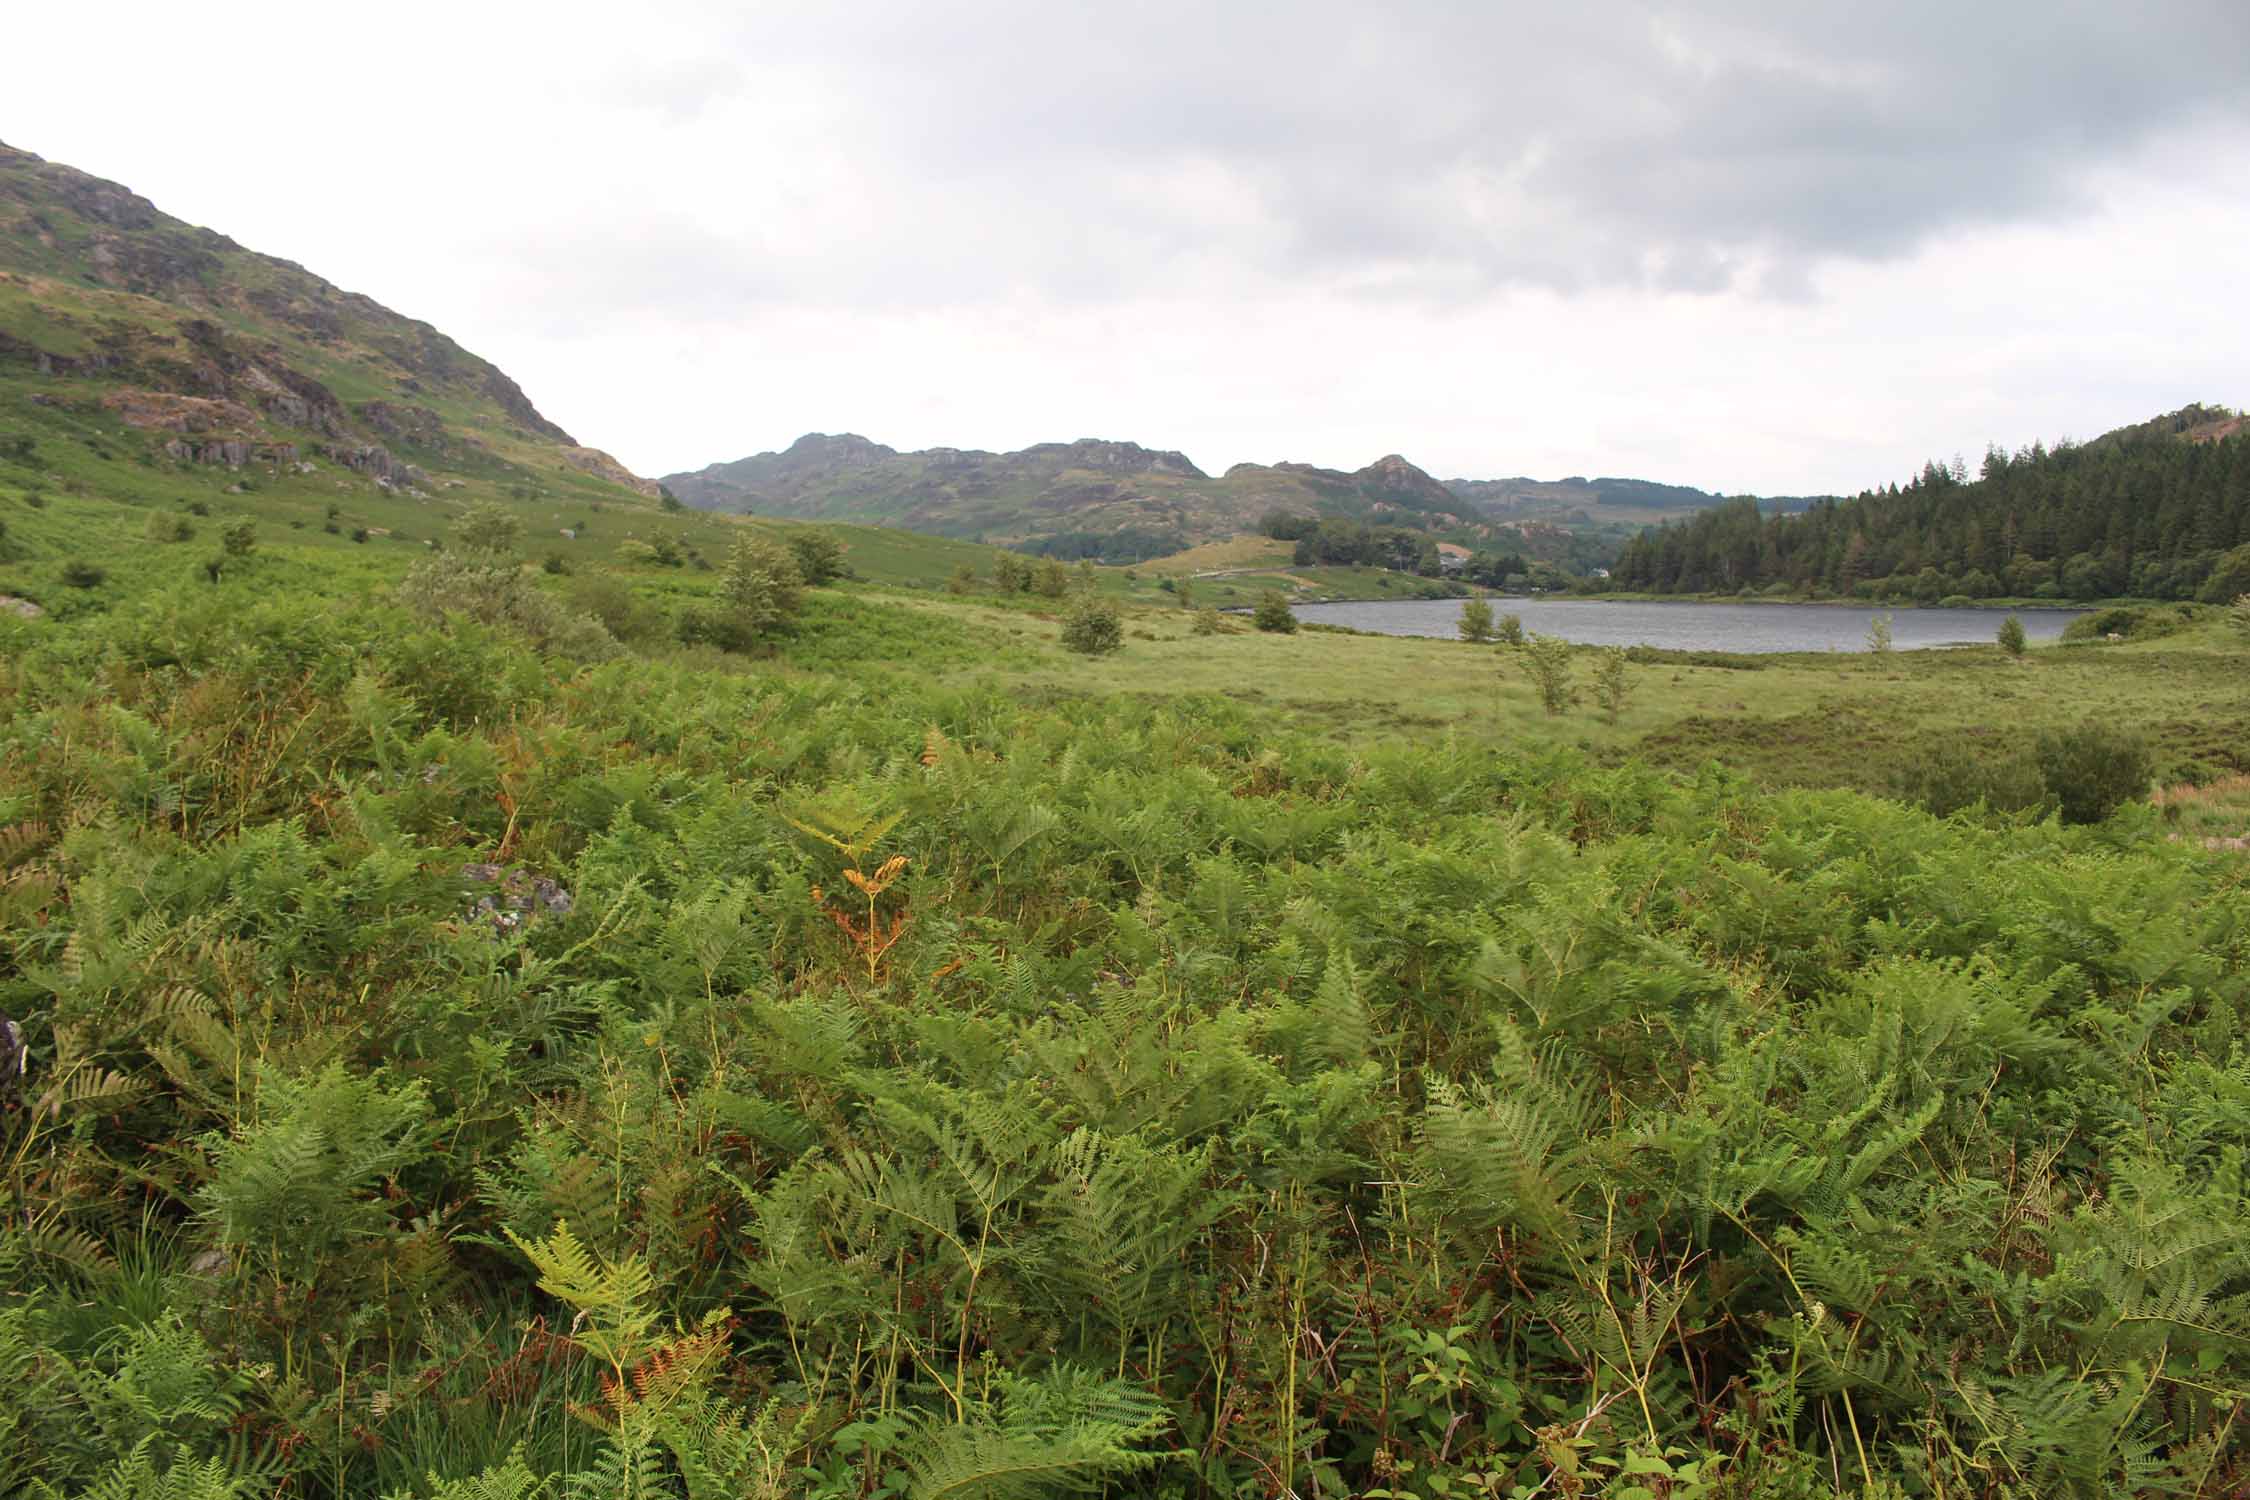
{"x":1273,"y":614}
{"x":2011,"y":636}
{"x":2094,"y":769}
{"x":1093,"y":627}
{"x":1546,"y":661}
{"x":1476,"y":621}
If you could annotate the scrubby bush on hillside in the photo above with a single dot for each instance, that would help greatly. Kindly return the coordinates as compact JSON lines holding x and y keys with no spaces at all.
{"x":1546,"y":661}
{"x":2011,"y":636}
{"x":2093,"y":770}
{"x":479,"y":578}
{"x":1947,"y":777}
{"x":1273,"y":613}
{"x":1509,"y":632}
{"x":759,"y":594}
{"x":1476,"y":621}
{"x":1093,"y":626}
{"x":163,"y":526}
{"x":819,"y":556}
{"x":83,"y":575}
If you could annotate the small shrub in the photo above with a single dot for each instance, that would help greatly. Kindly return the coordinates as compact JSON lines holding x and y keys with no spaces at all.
{"x":2011,"y":636}
{"x":1272,"y":614}
{"x":239,"y":540}
{"x":1546,"y":661}
{"x":1879,"y":633}
{"x":35,"y":498}
{"x":83,"y":575}
{"x":203,"y":507}
{"x":820,"y":557}
{"x":1206,"y":621}
{"x":1956,"y":601}
{"x":1948,"y":777}
{"x":2238,"y":616}
{"x":1050,"y":579}
{"x":623,"y":613}
{"x":359,"y":533}
{"x":1476,"y":621}
{"x":1093,"y":627}
{"x":2093,"y":770}
{"x":1509,"y":632}
{"x":163,"y":527}
{"x":963,"y":581}
{"x":555,"y":564}
{"x":1612,"y":686}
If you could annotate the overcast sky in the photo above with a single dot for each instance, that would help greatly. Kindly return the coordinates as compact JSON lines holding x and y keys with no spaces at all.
{"x":1775,"y":245}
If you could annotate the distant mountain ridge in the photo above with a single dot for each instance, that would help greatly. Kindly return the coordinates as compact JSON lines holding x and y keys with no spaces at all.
{"x":226,"y":356}
{"x":1122,"y":501}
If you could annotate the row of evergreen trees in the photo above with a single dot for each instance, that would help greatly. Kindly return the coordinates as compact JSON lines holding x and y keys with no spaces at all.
{"x":2142,"y":514}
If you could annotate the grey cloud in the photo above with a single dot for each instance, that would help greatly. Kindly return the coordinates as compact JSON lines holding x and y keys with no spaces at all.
{"x":1444,"y":146}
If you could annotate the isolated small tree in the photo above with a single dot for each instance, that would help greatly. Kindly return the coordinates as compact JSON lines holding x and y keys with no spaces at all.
{"x":760,"y":587}
{"x":1476,"y":621}
{"x":239,"y":540}
{"x":1093,"y":626}
{"x":1509,"y":632}
{"x":666,"y":500}
{"x":164,"y":527}
{"x":820,"y":557}
{"x":1611,"y":685}
{"x":1050,"y":580}
{"x":1879,"y":633}
{"x":1083,"y":577}
{"x":1184,"y":590}
{"x":1010,"y":573}
{"x":1546,"y":661}
{"x":1272,"y":614}
{"x":963,"y":581}
{"x":2011,"y":636}
{"x":486,"y":528}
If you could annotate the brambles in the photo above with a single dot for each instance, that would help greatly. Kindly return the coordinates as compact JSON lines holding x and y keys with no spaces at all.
{"x":2011,"y":636}
{"x":1476,"y":621}
{"x":1273,"y":614}
{"x":1546,"y":661}
{"x":1093,"y":627}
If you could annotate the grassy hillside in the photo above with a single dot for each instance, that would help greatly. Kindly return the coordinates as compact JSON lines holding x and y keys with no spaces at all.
{"x":149,"y":361}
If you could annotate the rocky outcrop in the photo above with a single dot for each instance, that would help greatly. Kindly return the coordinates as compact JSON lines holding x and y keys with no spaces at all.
{"x":162,"y":411}
{"x":375,"y":461}
{"x":24,"y":608}
{"x":402,"y":422}
{"x":602,"y":466}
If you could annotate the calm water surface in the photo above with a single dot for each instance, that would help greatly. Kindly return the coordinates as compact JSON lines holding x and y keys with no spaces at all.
{"x":1698,"y":627}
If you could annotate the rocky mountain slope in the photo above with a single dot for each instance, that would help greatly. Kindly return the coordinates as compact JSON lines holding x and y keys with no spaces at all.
{"x":1121,"y":501}
{"x":139,"y":340}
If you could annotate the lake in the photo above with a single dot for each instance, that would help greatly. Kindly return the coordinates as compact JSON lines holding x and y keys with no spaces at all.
{"x":1698,"y":627}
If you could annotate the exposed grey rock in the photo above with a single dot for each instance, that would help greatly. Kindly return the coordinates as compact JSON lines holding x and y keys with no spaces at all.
{"x":520,"y":897}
